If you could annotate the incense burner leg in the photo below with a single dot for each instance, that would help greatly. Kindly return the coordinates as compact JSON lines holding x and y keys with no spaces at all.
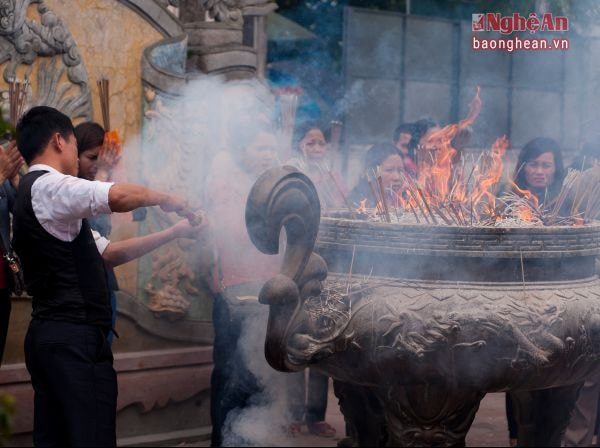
{"x":543,"y":415}
{"x":429,"y":415}
{"x":363,"y":414}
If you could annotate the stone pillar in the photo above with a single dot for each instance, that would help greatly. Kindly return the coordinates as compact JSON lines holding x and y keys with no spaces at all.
{"x":215,"y":39}
{"x":255,"y":30}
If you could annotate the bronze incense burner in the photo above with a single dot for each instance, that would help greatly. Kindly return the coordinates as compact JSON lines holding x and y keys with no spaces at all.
{"x":427,"y":318}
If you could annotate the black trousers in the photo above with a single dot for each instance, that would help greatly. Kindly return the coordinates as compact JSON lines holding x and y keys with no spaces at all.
{"x":314,"y":407}
{"x":5,"y":307}
{"x":75,"y":385}
{"x":232,"y":385}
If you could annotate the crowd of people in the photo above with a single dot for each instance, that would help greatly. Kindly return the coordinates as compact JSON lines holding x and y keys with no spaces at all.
{"x":61,"y":224}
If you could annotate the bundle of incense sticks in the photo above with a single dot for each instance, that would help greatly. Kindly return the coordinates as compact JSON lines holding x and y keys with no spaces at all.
{"x":103,"y":89}
{"x":17,"y":96}
{"x":336,"y":133}
{"x":289,"y":105}
{"x":112,"y":135}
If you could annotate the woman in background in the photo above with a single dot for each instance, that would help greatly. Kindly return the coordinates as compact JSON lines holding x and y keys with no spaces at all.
{"x":97,"y":161}
{"x":242,"y":269}
{"x":383,"y":160}
{"x":540,"y":169}
{"x":314,"y":161}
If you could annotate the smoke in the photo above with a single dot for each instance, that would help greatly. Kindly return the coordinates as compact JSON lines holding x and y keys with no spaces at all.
{"x":197,"y":145}
{"x":264,"y":422}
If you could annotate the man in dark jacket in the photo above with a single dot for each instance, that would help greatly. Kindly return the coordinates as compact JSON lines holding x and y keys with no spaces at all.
{"x":66,"y":352}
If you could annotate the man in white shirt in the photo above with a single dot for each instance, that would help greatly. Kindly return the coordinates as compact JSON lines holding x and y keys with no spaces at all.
{"x":66,"y":352}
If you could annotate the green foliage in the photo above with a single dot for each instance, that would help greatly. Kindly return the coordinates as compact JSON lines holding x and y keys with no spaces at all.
{"x":7,"y":411}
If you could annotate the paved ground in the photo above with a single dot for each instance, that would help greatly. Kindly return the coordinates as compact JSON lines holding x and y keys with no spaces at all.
{"x":489,"y":427}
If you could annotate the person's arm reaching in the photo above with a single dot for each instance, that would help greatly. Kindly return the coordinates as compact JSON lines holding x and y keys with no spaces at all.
{"x":120,"y":252}
{"x":128,"y":197}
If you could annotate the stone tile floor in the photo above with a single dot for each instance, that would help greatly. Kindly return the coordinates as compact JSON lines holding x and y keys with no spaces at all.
{"x":488,"y":429}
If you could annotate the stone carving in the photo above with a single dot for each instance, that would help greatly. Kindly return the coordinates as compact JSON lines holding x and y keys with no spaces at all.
{"x":23,"y":41}
{"x":222,"y":10}
{"x":171,"y":135}
{"x":428,"y":350}
{"x":167,"y":302}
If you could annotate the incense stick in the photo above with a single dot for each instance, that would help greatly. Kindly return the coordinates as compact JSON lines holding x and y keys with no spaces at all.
{"x":385,"y":207}
{"x":103,"y":89}
{"x":17,"y":96}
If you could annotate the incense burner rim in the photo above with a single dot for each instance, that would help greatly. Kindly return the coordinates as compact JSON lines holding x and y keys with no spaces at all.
{"x":458,"y":241}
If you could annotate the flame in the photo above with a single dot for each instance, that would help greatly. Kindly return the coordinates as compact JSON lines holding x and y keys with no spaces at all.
{"x":525,"y":212}
{"x":440,"y":184}
{"x":485,"y":181}
{"x":460,"y":194}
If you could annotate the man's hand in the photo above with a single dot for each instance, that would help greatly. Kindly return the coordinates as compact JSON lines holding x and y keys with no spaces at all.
{"x":185,"y":229}
{"x":177,"y":204}
{"x":10,"y":161}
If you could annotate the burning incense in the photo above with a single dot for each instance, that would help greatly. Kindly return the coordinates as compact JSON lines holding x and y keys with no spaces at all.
{"x":340,"y":192}
{"x":385,"y":206}
{"x":336,"y":133}
{"x":104,"y":91}
{"x":375,"y":197}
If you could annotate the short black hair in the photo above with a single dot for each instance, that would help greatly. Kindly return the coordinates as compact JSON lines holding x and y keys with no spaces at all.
{"x":89,"y":135}
{"x":36,"y":128}
{"x":403,"y":128}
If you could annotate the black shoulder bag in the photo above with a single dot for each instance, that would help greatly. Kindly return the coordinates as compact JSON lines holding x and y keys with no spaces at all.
{"x":15,"y":279}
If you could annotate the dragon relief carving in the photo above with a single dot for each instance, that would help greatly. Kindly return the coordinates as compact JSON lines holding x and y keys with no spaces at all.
{"x":24,"y":41}
{"x":172,"y":279}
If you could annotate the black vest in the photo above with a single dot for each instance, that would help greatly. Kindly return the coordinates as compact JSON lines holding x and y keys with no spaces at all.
{"x":67,"y":280}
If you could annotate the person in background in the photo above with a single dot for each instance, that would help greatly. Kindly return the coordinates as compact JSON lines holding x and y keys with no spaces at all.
{"x":403,"y":135}
{"x":66,"y":351}
{"x":314,"y":162}
{"x":241,"y":268}
{"x":10,"y":162}
{"x":540,"y":169}
{"x":308,"y":398}
{"x":584,"y":420}
{"x":383,"y":160}
{"x":97,"y":160}
{"x":423,"y":129}
{"x":589,"y":155}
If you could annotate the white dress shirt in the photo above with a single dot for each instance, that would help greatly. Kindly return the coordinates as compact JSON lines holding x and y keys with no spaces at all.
{"x":60,"y":202}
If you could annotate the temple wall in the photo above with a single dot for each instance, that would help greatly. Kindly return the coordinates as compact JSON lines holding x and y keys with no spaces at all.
{"x":111,"y":38}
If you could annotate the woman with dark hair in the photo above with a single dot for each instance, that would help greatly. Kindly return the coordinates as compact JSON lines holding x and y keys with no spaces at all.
{"x":314,"y":162}
{"x":383,"y":160}
{"x":540,"y":169}
{"x":241,"y":270}
{"x":403,"y":135}
{"x":96,"y":162}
